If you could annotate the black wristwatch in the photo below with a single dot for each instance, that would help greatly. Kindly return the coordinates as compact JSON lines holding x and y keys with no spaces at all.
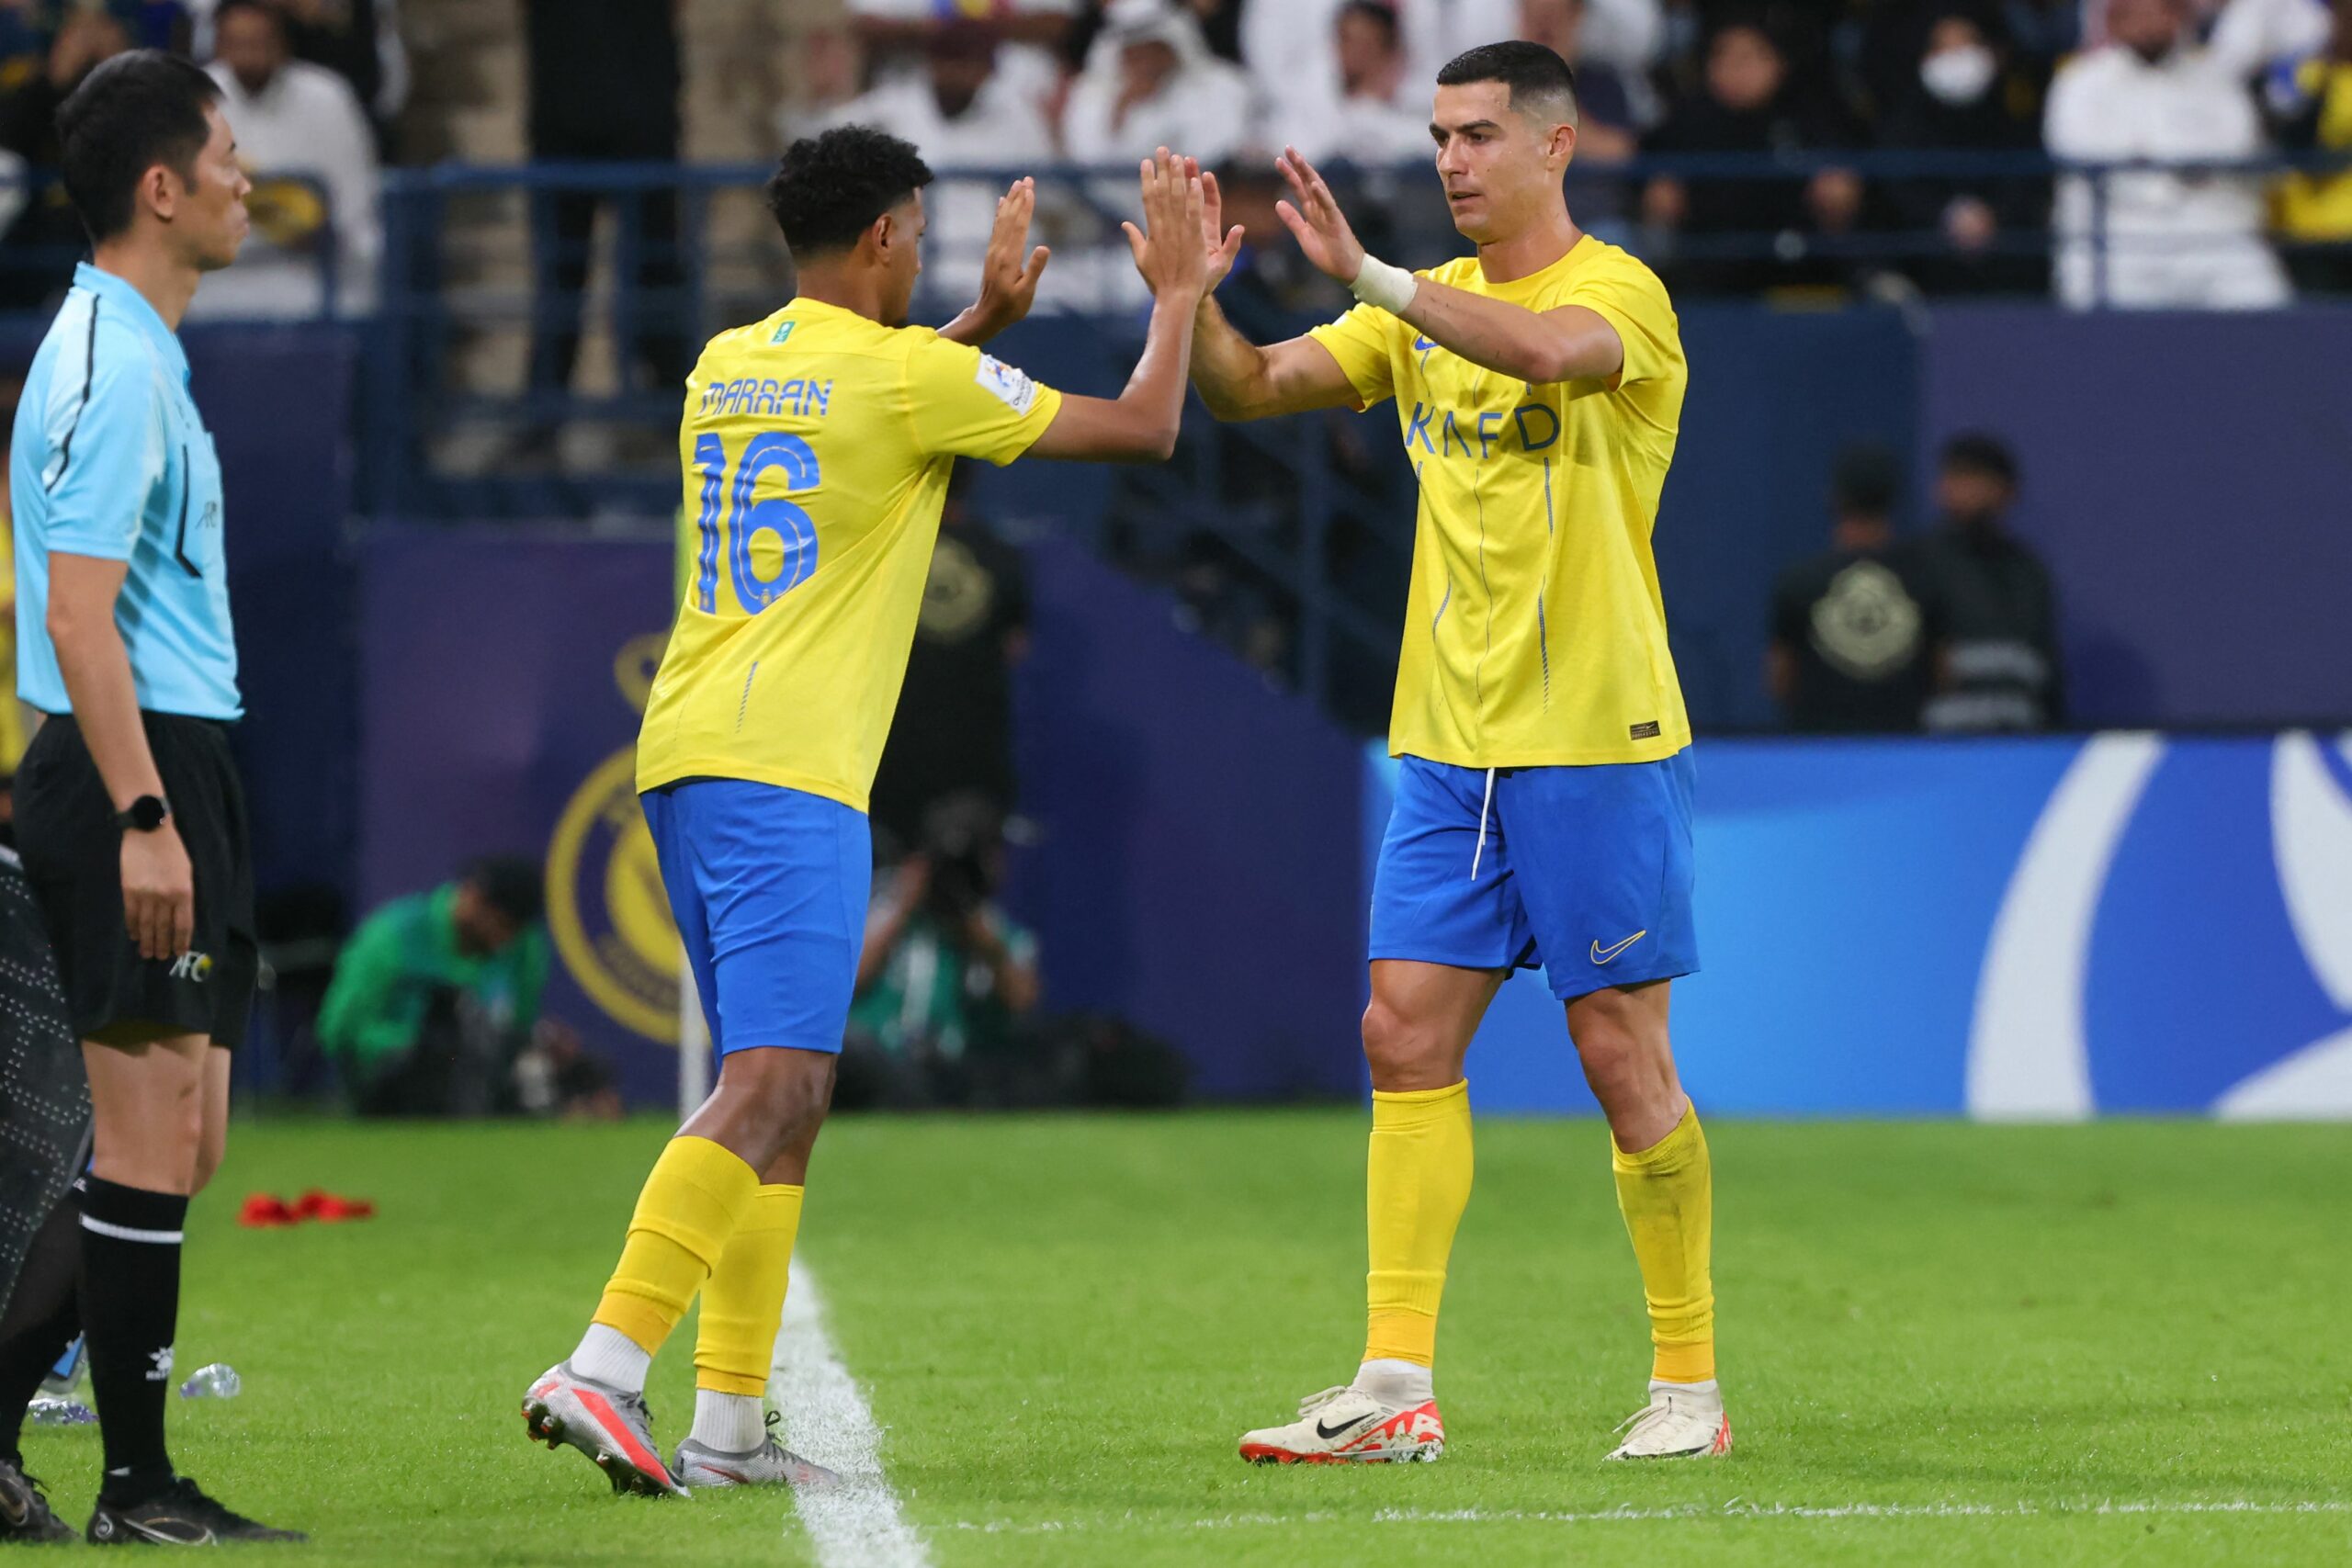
{"x":146,"y":815}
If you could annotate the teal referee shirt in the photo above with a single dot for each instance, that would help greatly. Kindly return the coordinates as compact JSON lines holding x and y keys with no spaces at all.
{"x":112,"y":461}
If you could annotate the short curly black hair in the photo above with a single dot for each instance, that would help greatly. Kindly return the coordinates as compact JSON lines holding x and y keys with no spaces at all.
{"x":828,"y":189}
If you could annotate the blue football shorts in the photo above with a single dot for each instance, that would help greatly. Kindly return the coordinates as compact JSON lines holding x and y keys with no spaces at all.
{"x":1584,"y":872}
{"x":769,"y":887}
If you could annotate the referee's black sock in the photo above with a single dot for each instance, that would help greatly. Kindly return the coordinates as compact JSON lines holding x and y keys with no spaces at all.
{"x":42,"y":1318}
{"x":130,"y":1306}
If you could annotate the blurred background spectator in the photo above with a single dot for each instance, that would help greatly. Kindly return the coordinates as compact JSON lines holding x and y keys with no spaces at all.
{"x":893,"y":33}
{"x":1964,"y":94}
{"x":360,"y":40}
{"x":2311,"y":103}
{"x":952,"y":734}
{"x":828,"y":74}
{"x":1150,"y":81}
{"x":306,"y":141}
{"x":1367,"y":109}
{"x":1607,"y":124}
{"x":2250,"y":37}
{"x":1285,"y":43}
{"x":436,"y":994}
{"x":947,"y":979}
{"x":46,"y":234}
{"x":2000,"y":611}
{"x":2159,"y":239}
{"x":605,"y":79}
{"x":1750,"y":102}
{"x":1857,"y":631}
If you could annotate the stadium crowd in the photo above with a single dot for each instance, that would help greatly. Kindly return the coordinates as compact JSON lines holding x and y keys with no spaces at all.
{"x":2186,"y":83}
{"x":319,"y":88}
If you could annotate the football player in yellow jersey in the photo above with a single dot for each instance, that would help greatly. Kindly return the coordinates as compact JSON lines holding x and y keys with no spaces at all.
{"x":1543,"y":810}
{"x":817,"y":445}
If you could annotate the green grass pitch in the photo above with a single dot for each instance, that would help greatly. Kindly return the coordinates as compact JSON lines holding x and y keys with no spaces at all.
{"x":1943,"y":1344}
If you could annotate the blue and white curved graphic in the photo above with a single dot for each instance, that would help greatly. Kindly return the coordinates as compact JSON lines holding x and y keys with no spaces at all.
{"x":2310,"y":826}
{"x":2043,"y":929}
{"x":2027,"y":1055}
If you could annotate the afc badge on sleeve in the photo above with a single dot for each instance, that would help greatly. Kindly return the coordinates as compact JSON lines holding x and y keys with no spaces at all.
{"x":1012,"y":387}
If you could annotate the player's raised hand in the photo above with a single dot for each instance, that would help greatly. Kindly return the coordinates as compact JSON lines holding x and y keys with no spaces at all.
{"x":1168,"y":251}
{"x":1315,"y":222}
{"x":1224,"y":245}
{"x":1219,"y":252}
{"x":1010,"y":270}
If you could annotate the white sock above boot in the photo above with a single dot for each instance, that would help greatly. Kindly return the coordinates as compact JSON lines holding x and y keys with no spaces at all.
{"x":607,"y":1356}
{"x":1402,"y":1384}
{"x":730,"y":1423}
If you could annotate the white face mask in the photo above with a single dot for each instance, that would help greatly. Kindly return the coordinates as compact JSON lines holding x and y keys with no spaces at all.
{"x":1959,"y":75}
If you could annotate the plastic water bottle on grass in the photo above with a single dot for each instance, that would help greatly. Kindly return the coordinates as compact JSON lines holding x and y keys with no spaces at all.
{"x":219,"y":1381}
{"x":56,"y":1410}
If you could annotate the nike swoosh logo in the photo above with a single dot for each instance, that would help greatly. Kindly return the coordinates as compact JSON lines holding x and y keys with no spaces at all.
{"x":1605,"y":955}
{"x":1328,"y":1433}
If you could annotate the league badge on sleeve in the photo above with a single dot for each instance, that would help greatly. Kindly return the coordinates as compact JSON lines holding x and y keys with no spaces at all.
{"x":1010,"y":386}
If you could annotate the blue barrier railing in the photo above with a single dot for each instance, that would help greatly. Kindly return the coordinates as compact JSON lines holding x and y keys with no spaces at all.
{"x":471,"y":293}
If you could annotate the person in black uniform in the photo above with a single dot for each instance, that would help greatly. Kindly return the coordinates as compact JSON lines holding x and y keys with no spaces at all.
{"x":1857,"y":631}
{"x":2006,"y":670}
{"x":953,"y":733}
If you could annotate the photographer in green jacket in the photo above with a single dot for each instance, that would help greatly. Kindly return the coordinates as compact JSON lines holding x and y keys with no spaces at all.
{"x":436,"y":994}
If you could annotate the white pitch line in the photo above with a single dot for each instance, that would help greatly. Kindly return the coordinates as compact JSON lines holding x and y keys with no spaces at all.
{"x":1740,"y":1511}
{"x":857,"y":1524}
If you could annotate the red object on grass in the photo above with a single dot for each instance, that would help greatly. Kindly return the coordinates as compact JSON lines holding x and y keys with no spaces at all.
{"x":328,"y":1209}
{"x":264,"y":1211}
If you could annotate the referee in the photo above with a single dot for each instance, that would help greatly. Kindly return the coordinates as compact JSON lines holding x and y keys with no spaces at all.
{"x":129,"y":810}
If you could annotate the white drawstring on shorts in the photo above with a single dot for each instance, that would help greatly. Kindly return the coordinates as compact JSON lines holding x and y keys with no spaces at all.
{"x":1485,"y":806}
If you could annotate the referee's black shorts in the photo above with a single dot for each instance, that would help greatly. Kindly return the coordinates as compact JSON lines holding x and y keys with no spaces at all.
{"x":72,"y":855}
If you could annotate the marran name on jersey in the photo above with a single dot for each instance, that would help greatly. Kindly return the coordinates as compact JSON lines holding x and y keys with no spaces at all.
{"x":1531,"y":427}
{"x":755,"y":394}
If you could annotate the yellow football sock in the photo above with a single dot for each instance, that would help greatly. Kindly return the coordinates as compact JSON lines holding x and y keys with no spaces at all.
{"x":1417,"y":1184}
{"x":1668,"y":1195}
{"x":735,"y":1343}
{"x":690,"y":1205}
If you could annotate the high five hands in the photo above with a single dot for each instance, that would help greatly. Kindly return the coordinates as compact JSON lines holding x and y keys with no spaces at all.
{"x":1008,"y":283}
{"x":1315,"y":222}
{"x":1313,"y":218}
{"x":1185,"y":174}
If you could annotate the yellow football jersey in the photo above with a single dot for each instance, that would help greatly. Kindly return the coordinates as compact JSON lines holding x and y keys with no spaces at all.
{"x":817,"y":445}
{"x":1535,"y":633}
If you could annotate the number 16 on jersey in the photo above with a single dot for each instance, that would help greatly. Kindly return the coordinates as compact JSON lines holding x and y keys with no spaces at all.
{"x":794,"y":531}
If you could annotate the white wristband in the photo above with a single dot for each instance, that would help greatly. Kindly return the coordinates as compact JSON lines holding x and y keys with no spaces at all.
{"x":1391,"y":288}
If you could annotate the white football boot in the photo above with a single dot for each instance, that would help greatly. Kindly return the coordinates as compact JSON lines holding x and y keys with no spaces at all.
{"x":1344,"y":1425}
{"x":1681,"y":1421}
{"x":610,"y":1425}
{"x":698,"y":1466}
